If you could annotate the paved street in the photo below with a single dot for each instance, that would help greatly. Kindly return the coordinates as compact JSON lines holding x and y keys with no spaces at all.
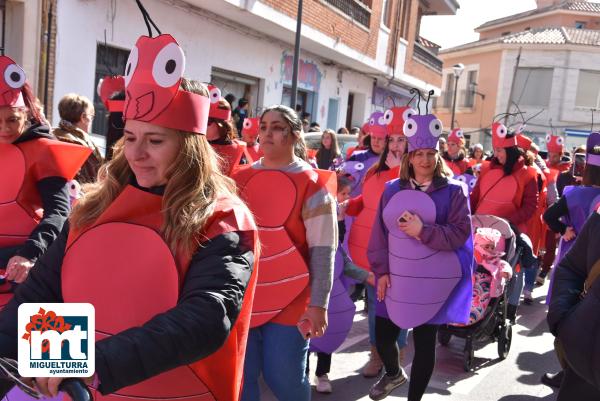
{"x":515,"y":379}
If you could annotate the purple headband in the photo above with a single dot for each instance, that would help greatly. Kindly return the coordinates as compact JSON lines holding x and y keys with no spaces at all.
{"x":423,"y":132}
{"x":592,"y":141}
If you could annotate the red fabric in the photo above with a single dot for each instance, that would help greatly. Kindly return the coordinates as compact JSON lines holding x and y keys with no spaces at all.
{"x":10,"y":92}
{"x":360,"y":232}
{"x":125,"y":280}
{"x":107,"y":87}
{"x":255,"y":152}
{"x":458,"y":167}
{"x":232,"y":154}
{"x":162,"y":102}
{"x":24,"y":165}
{"x":355,"y":206}
{"x":264,"y":201}
{"x":513,"y":197}
{"x":499,"y":139}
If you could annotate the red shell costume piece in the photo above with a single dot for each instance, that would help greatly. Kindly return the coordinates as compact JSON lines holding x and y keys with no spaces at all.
{"x":141,"y":267}
{"x":231,"y":154}
{"x":276,"y":199}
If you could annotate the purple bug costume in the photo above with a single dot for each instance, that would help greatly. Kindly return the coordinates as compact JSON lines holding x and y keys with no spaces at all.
{"x":430,"y":279}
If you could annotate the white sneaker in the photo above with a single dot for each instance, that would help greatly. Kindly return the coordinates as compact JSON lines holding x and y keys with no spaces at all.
{"x":323,"y":385}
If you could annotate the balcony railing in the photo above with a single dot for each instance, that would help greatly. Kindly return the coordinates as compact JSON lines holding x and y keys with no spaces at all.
{"x":358,"y":10}
{"x":425,"y":56}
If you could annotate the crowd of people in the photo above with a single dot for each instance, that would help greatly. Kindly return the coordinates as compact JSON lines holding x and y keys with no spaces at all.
{"x":253,"y":248}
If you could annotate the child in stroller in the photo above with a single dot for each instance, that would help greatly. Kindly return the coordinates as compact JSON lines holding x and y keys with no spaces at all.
{"x":495,"y":255}
{"x":491,"y":273}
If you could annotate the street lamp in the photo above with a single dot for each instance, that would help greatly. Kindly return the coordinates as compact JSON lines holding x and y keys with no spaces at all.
{"x":458,"y":70}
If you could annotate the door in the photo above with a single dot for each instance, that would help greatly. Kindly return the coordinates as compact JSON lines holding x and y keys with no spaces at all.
{"x":332,"y":113}
{"x":349,"y":110}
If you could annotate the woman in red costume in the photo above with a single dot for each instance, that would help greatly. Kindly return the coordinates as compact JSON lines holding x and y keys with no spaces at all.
{"x":296,"y":212}
{"x":173,"y":294}
{"x":250,"y":135}
{"x":34,"y":199}
{"x":456,"y":155}
{"x":221,"y":134}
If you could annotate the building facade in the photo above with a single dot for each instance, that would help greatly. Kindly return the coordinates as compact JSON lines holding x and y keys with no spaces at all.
{"x":555,"y":82}
{"x":357,"y":55}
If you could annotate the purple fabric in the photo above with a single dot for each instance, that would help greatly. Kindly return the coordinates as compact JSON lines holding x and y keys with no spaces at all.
{"x":423,"y":132}
{"x":467,"y":179}
{"x":581,"y":202}
{"x":594,"y":160}
{"x":431,"y":279}
{"x":340,"y":313}
{"x":356,"y":167}
{"x":593,"y":140}
{"x":17,"y":395}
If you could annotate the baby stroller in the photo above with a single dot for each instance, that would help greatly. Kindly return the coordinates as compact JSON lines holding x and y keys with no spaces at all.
{"x":493,"y":325}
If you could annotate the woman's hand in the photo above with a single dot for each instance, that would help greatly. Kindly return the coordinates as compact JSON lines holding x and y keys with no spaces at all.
{"x":341,"y":211}
{"x":18,"y":268}
{"x":383,"y":283}
{"x":413,"y":225}
{"x":318,"y":320}
{"x":49,"y":385}
{"x":569,"y":234}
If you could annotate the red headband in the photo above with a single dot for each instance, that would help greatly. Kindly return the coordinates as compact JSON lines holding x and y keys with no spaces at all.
{"x":250,"y":126}
{"x":215,"y":111}
{"x":555,"y":143}
{"x":457,"y":136}
{"x":499,"y":139}
{"x":152,"y":79}
{"x":107,"y":87}
{"x":12,"y":79}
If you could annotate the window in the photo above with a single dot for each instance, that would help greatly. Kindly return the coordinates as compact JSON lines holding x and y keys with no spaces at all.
{"x":405,"y":18}
{"x":358,"y":10}
{"x":387,"y":9}
{"x":588,"y":89}
{"x":449,"y":92}
{"x":469,"y":99}
{"x":533,"y":86}
{"x":580,"y":24}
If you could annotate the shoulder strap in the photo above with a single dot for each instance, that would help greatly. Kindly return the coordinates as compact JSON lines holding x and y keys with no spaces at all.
{"x":592,"y":276}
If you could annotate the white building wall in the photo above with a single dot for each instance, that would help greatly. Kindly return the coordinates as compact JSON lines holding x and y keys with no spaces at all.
{"x":566,"y":64}
{"x":206,"y":43}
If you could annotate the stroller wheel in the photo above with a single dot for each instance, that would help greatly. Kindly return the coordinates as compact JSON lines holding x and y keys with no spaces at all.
{"x":444,"y":337}
{"x":504,"y":340}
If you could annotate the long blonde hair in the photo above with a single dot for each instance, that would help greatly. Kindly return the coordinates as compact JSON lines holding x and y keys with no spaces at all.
{"x":194,"y":184}
{"x":441,"y":169}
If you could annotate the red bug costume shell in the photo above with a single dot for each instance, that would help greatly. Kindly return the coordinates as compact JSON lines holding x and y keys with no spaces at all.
{"x":282,"y":291}
{"x":107,"y":87}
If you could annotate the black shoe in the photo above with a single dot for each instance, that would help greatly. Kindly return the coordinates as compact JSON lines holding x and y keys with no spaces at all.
{"x":553,"y":379}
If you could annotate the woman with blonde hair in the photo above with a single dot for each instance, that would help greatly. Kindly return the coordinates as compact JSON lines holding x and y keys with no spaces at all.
{"x":181,"y":249}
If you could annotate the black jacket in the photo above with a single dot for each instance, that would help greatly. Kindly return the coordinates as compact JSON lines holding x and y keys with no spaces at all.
{"x":209,"y":304}
{"x":577,"y":323}
{"x":55,"y":202}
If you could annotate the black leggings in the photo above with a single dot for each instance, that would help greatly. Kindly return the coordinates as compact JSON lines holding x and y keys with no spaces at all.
{"x":323,"y":364}
{"x":425,"y":337}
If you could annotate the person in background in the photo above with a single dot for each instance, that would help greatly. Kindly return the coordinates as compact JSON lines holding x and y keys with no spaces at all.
{"x":455,"y":157}
{"x":230,"y":99}
{"x":35,"y":170}
{"x":76,"y":117}
{"x":355,"y":131}
{"x":240,"y":112}
{"x":250,"y":136}
{"x":305,"y":125}
{"x":443,"y":145}
{"x":343,"y":131}
{"x":295,"y":207}
{"x":328,"y":151}
{"x":477,"y":155}
{"x":362,"y":134}
{"x":115,"y":122}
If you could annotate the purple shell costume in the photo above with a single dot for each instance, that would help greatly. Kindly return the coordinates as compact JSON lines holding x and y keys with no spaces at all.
{"x":431,"y":281}
{"x":340,"y":313}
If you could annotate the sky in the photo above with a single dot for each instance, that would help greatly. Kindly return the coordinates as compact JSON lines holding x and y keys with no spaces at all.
{"x":454,"y":30}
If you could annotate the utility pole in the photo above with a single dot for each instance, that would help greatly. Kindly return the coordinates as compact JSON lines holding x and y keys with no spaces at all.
{"x":512,"y":86}
{"x":296,"y":57}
